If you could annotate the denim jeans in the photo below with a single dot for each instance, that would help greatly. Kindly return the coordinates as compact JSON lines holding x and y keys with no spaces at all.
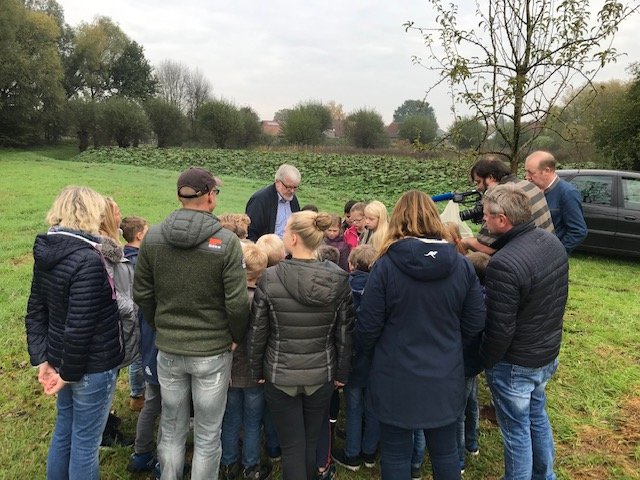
{"x":419,"y":448}
{"x":298,"y":421}
{"x":360,"y":439}
{"x":136,"y":377}
{"x":147,"y":419}
{"x":396,"y":445}
{"x":204,"y":380}
{"x":468,"y":420}
{"x":82,"y":411}
{"x":245,"y":407}
{"x":520,"y":400}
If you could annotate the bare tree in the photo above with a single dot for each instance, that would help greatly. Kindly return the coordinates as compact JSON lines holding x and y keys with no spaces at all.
{"x":515,"y":67}
{"x":172,"y":83}
{"x":198,"y":91}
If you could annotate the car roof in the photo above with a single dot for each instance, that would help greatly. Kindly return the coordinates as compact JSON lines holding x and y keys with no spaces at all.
{"x":593,"y":171}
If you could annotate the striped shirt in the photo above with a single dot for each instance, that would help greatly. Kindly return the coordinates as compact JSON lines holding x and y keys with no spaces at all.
{"x":539,"y":210}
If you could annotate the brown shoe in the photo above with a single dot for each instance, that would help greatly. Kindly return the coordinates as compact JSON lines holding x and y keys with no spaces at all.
{"x":136,"y":403}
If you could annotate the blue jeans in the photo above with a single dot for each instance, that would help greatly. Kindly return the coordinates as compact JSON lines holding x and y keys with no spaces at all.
{"x":204,"y":380}
{"x":520,"y":399}
{"x":136,"y":377}
{"x":419,"y":448}
{"x":468,"y":420}
{"x":245,"y":407}
{"x":396,"y":445}
{"x":360,"y":439}
{"x":83,"y":408}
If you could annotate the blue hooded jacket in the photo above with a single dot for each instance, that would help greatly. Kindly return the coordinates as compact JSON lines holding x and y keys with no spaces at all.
{"x":148,"y":348}
{"x":421,"y":301}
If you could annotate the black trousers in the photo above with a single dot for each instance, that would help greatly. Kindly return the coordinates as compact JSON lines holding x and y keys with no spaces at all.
{"x":298,"y":421}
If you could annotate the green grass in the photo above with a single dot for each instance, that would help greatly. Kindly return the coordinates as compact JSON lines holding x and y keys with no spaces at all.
{"x":594,"y":400}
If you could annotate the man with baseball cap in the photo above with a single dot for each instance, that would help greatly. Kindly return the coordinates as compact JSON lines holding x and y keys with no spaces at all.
{"x":190,"y":283}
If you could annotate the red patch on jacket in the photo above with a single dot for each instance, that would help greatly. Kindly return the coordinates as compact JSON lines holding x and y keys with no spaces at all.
{"x":215,"y":243}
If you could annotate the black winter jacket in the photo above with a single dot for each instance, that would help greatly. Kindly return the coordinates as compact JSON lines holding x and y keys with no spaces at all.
{"x":526,"y":286}
{"x":301,"y":323}
{"x":72,"y":317}
{"x":262,"y":208}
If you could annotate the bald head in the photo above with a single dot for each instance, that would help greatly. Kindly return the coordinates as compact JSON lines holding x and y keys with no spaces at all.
{"x":540,"y":168}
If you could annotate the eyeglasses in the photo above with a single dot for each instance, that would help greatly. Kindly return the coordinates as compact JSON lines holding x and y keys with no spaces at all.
{"x":293,"y":188}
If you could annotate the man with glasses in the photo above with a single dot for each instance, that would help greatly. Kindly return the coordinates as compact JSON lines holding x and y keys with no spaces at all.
{"x":270,"y":208}
{"x":490,"y":171}
{"x":190,"y":282}
{"x":526,"y":282}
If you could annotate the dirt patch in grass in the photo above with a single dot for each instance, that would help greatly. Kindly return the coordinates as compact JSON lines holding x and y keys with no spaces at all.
{"x":612,"y":445}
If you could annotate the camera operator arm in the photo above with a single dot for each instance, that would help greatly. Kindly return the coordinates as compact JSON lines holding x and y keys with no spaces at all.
{"x":472,"y":243}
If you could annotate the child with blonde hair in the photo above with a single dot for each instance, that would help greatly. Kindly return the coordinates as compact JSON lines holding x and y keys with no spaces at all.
{"x":245,"y":397}
{"x":273,"y":246}
{"x":454,"y":236}
{"x":354,"y":233}
{"x":238,"y":223}
{"x":376,"y":220}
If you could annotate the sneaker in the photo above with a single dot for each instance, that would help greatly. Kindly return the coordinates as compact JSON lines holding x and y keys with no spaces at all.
{"x":416,"y":474}
{"x":115,"y":438}
{"x":328,"y":474}
{"x":257,"y":472}
{"x":136,"y":403}
{"x":350,"y":463}
{"x":474,"y":452}
{"x":141,"y":462}
{"x":369,"y":459}
{"x":230,"y":472}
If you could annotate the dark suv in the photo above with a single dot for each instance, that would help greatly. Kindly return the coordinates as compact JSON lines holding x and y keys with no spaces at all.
{"x":611,"y":204}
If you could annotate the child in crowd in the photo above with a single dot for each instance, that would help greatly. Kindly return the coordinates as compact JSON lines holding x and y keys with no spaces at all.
{"x":361,"y":443}
{"x":334,"y":238}
{"x":455,"y":237}
{"x":376,"y":222}
{"x":273,"y":246}
{"x":245,"y":398}
{"x":468,"y":422}
{"x":238,"y":223}
{"x":346,"y":219}
{"x":327,"y":252}
{"x":120,"y":270}
{"x":311,"y":207}
{"x":133,"y":230}
{"x":356,"y":231}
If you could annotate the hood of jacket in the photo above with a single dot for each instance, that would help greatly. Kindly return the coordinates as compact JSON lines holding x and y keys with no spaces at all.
{"x":423,"y":259}
{"x":51,"y":248}
{"x":311,"y":283}
{"x":187,"y":228}
{"x":111,"y":249}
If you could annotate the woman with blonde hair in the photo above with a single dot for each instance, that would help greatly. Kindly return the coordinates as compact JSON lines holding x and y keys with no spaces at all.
{"x":421,"y":302}
{"x":300,"y":340}
{"x":376,"y":222}
{"x":73,"y":331}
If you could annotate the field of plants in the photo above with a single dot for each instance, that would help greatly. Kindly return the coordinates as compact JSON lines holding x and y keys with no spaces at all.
{"x":594,"y":399}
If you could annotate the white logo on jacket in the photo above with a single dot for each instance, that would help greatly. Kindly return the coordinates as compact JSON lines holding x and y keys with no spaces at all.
{"x":431,"y":254}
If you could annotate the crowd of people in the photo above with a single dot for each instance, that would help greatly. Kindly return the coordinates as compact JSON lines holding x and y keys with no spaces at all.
{"x":250,"y":329}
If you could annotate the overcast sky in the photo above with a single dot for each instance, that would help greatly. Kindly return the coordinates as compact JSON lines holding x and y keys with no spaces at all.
{"x":273,"y":54}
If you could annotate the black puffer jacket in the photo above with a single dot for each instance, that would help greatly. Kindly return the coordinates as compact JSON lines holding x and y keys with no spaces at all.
{"x":301,"y":322}
{"x":526,"y":286}
{"x":72,"y":317}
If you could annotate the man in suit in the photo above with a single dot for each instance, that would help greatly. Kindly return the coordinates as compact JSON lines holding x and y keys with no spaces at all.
{"x":270,"y":207}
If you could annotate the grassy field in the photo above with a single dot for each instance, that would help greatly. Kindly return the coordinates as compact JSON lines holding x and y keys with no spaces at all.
{"x":594,"y":400}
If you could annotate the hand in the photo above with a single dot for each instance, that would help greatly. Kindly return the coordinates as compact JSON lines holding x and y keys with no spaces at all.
{"x":57,"y":385}
{"x":261,"y":381}
{"x":337,"y":384}
{"x":233,"y":347}
{"x":47,"y":375}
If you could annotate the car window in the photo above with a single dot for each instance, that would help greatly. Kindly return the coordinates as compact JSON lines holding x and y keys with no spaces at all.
{"x":631,"y":193}
{"x":595,"y":189}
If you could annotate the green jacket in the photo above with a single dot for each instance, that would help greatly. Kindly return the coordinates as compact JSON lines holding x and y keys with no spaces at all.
{"x":190,"y":282}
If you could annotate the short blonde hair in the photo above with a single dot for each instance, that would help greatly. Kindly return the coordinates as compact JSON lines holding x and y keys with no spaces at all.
{"x":77,"y":208}
{"x":255,"y":259}
{"x":310,"y":227}
{"x":238,"y":223}
{"x":273,"y":246}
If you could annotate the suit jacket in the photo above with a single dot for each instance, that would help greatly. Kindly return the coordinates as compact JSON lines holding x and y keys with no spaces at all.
{"x":262,"y":209}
